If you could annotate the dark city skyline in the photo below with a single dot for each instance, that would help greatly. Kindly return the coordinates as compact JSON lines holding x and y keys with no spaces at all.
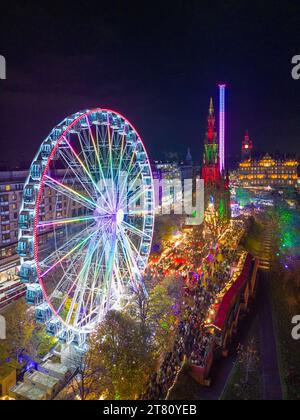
{"x":155,"y":63}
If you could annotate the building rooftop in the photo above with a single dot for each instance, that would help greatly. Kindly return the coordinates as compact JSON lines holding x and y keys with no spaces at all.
{"x":268,"y":161}
{"x":6,"y":370}
{"x":40,"y":379}
{"x":55,"y":368}
{"x":13,"y":176}
{"x":28,"y":392}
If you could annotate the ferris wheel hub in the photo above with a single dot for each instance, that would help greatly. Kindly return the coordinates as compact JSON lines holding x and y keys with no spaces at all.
{"x":120,"y":216}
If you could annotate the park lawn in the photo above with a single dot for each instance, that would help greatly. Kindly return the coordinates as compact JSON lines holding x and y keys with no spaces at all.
{"x":285,"y":307}
{"x":237,"y":389}
{"x":185,"y":387}
{"x":253,"y":239}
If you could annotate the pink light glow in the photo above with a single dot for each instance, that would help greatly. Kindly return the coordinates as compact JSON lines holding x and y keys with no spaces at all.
{"x":222,"y":88}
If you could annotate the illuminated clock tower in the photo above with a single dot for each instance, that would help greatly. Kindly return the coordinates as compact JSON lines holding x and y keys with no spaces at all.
{"x":247,"y":147}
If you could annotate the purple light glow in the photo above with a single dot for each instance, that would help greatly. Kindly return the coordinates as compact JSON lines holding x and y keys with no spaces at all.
{"x":222,"y":88}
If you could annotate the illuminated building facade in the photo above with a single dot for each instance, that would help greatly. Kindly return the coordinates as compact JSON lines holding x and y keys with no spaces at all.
{"x":172,"y":176}
{"x":268,"y":172}
{"x":247,"y":147}
{"x":11,"y":192}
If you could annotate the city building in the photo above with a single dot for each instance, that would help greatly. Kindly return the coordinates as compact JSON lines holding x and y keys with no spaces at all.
{"x":53,"y":206}
{"x":42,"y":385}
{"x":169,"y":180}
{"x":166,"y":170}
{"x":8,"y":379}
{"x":247,"y":147}
{"x":268,"y":172}
{"x":11,"y":192}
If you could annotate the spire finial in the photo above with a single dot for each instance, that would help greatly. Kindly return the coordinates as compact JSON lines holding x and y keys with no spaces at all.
{"x":211,"y":107}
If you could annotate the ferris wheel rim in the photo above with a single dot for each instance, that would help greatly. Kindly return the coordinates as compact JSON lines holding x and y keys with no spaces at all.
{"x":42,"y":185}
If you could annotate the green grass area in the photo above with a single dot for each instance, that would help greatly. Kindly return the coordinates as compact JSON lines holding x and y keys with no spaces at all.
{"x":252,"y":241}
{"x":286,"y":304}
{"x":239,"y":387}
{"x":185,"y":387}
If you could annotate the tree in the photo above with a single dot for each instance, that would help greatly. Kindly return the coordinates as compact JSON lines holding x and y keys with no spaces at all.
{"x":91,"y":380}
{"x":122,"y":350}
{"x":40,"y":342}
{"x":20,"y":327}
{"x":117,"y":364}
{"x":248,"y":358}
{"x":158,"y":312}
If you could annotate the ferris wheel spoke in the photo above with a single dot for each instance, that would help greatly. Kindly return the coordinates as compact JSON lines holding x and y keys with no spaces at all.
{"x":138,"y":213}
{"x":67,"y":245}
{"x":133,"y":198}
{"x":125,"y":194}
{"x":135,"y":179}
{"x":129,"y":252}
{"x":69,"y":192}
{"x":119,"y":176}
{"x":103,"y":179}
{"x":110,"y":151}
{"x":128,"y":173}
{"x":86,"y":318}
{"x":119,"y":284}
{"x":74,"y":283}
{"x":80,"y":292}
{"x":87,"y":172}
{"x":121,"y":160}
{"x":132,"y":245}
{"x":67,"y":157}
{"x":83,"y":141}
{"x":108,"y":277}
{"x":95,"y":144}
{"x":69,"y":221}
{"x":77,"y":285}
{"x":131,"y":259}
{"x":63,"y":287}
{"x":97,"y":153}
{"x":76,"y":248}
{"x":135,"y":230}
{"x":82,"y":281}
{"x":99,"y":272}
{"x":98,"y":255}
{"x":70,"y":243}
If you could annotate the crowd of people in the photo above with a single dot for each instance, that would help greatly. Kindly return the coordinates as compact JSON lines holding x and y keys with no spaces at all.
{"x":192,"y":342}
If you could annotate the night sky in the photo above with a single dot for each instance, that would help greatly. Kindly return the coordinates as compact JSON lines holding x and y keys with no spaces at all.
{"x":158,"y":63}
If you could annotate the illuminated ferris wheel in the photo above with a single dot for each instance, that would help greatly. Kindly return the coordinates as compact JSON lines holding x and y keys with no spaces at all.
{"x":86,"y":222}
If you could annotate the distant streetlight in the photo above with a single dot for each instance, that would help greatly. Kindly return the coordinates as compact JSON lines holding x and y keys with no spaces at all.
{"x":2,"y":68}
